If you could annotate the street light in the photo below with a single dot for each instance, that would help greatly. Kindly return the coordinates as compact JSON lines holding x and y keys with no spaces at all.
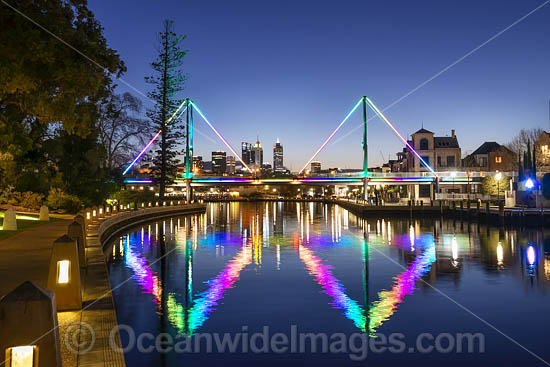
{"x":498,"y":177}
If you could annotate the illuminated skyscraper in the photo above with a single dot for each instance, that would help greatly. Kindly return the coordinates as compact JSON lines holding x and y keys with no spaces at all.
{"x":198,"y":164}
{"x":315,"y":168}
{"x":278,"y":157}
{"x":230,"y":165}
{"x":257,"y":156}
{"x":246,"y":149}
{"x":219,"y":162}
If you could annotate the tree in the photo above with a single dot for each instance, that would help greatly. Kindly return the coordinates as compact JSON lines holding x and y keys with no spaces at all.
{"x":120,"y":131}
{"x":168,"y":79}
{"x":519,"y":142}
{"x":490,"y":185}
{"x":45,"y":83}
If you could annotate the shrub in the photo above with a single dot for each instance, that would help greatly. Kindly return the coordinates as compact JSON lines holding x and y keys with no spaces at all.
{"x":7,"y":194}
{"x":127,"y":197}
{"x":31,"y":200}
{"x":64,"y":203}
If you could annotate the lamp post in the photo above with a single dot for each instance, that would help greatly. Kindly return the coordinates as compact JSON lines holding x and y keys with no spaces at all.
{"x":498,"y":177}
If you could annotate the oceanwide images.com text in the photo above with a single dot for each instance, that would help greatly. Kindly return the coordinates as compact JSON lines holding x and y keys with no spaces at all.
{"x":356,"y":345}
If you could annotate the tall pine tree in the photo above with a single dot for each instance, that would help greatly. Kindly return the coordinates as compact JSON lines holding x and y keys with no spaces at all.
{"x":168,"y":79}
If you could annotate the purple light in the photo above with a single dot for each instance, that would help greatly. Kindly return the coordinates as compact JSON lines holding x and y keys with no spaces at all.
{"x":142,"y":152}
{"x":384,"y":118}
{"x":332,"y":135}
{"x":220,"y":136}
{"x":154,"y":138}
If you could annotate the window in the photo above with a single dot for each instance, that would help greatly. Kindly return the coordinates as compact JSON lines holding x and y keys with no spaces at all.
{"x":544,"y":149}
{"x":424,"y":144}
{"x":498,"y":159}
{"x":483,"y":161}
{"x":439,"y":161}
{"x":450,"y":161}
{"x":426,"y":159}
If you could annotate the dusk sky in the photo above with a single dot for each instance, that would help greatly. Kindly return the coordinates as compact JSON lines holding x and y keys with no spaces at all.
{"x":293,"y":69}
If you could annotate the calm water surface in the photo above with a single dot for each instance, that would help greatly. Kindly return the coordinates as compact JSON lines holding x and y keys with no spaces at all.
{"x":260,"y":269}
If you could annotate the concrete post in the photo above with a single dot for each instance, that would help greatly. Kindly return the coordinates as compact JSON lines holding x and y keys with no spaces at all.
{"x":28,"y":315}
{"x":80,"y":220}
{"x":88,"y":216}
{"x":76,"y":232}
{"x":95,"y":213}
{"x":44,"y":213}
{"x":64,"y":274}
{"x":10,"y":220}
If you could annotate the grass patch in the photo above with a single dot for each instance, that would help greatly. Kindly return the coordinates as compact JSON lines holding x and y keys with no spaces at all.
{"x":24,"y":222}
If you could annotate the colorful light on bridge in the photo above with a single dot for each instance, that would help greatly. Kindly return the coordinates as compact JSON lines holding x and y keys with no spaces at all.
{"x":381,"y":115}
{"x":154,"y":138}
{"x":332,"y":134}
{"x":220,"y":136}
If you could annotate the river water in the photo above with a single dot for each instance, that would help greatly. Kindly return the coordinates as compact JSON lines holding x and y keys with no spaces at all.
{"x":311,"y":284}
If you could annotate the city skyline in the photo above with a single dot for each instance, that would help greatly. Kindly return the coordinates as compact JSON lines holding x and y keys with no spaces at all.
{"x":482,"y":97}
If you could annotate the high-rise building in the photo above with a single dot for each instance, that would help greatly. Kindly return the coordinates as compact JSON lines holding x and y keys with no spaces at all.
{"x":246,"y":149}
{"x":198,"y":164}
{"x":230,"y":163}
{"x":219,"y":164}
{"x":257,"y":156}
{"x":315,"y":168}
{"x":278,"y":157}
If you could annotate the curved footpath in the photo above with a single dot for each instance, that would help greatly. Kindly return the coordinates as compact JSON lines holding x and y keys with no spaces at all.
{"x":26,"y":256}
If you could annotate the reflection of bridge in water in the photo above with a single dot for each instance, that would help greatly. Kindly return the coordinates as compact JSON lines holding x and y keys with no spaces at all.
{"x":187,"y":311}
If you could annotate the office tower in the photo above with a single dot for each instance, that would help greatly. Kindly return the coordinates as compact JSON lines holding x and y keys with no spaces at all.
{"x":278,"y":157}
{"x":257,"y":156}
{"x":218,"y":162}
{"x":230,"y":163}
{"x":198,"y":164}
{"x":246,"y":149}
{"x":315,"y":168}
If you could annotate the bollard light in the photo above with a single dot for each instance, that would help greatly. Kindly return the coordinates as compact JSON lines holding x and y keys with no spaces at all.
{"x":22,"y":356}
{"x":143,"y":205}
{"x":100,"y":211}
{"x":88,"y":216}
{"x":107,"y":210}
{"x":94,"y":213}
{"x":64,"y":274}
{"x":171,"y":203}
{"x":63,"y":270}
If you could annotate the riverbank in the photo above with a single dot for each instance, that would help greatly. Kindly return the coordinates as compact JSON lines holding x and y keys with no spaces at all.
{"x":26,"y":256}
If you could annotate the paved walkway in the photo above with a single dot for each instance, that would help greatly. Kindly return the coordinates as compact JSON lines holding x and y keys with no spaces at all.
{"x":26,"y":256}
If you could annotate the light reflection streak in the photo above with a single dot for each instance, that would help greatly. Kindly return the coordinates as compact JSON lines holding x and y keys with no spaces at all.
{"x":208,"y":300}
{"x":381,"y":310}
{"x":144,"y":276}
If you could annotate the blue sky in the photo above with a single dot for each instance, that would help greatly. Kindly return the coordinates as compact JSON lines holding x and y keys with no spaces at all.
{"x":293,"y":69}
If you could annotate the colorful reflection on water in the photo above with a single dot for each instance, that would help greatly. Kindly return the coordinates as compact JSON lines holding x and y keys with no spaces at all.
{"x":189,"y":268}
